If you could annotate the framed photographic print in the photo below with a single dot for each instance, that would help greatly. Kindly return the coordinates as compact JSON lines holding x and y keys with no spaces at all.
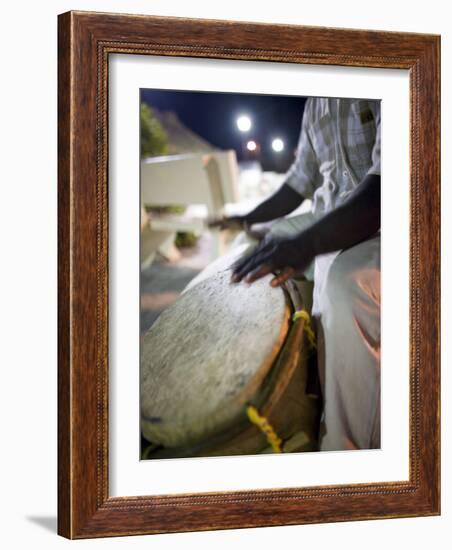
{"x":248,"y":274}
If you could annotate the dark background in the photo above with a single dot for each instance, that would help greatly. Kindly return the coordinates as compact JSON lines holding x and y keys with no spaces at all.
{"x":213,"y":115}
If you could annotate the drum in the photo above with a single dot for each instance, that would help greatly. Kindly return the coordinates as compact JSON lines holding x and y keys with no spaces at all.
{"x":225,"y":370}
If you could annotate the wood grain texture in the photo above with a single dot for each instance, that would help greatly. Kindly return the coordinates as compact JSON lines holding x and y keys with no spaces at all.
{"x":64,"y":241}
{"x":85,"y":42}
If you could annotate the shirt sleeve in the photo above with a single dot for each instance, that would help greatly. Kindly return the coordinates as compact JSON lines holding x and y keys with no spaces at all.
{"x":376,"y":151}
{"x":303,"y":175}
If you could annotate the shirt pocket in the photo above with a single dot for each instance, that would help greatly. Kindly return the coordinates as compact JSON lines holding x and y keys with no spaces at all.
{"x":359,"y":135}
{"x":322,"y":137}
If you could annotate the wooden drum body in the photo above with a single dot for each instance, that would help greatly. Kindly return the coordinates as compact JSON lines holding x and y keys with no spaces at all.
{"x":219,"y":353}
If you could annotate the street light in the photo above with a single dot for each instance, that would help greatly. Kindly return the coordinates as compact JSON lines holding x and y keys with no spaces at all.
{"x":244,"y":123}
{"x":277,"y":145}
{"x":251,"y":145}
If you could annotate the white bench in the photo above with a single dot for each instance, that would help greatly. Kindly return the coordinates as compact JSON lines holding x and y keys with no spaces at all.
{"x":203,"y":183}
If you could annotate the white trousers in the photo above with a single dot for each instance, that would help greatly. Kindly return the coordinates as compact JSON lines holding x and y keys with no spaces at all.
{"x":346,"y":307}
{"x":347,"y":310}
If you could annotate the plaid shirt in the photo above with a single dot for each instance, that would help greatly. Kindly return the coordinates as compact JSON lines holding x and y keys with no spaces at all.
{"x":339,"y":145}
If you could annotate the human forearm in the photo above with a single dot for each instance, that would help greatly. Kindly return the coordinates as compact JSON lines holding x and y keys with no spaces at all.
{"x":356,"y":220}
{"x":352,"y":222}
{"x":284,"y":201}
{"x":281,"y":203}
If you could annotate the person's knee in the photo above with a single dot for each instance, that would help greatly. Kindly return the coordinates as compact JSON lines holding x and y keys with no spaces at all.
{"x":339,"y":290}
{"x":350,"y":303}
{"x":354,"y":276}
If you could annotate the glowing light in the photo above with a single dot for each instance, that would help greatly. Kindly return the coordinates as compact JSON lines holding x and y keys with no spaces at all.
{"x":277,"y":145}
{"x":251,"y":145}
{"x":244,"y":123}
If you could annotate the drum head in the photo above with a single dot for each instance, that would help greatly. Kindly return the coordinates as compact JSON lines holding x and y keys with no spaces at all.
{"x":206,"y":355}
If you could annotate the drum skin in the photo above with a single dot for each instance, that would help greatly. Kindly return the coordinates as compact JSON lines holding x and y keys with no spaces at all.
{"x":207,"y":355}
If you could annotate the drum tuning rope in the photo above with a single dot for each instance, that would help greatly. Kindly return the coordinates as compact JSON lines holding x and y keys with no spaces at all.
{"x":303,"y":314}
{"x":265,"y":427}
{"x":253,"y":414}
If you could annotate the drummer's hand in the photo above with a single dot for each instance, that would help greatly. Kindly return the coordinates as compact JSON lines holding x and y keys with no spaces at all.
{"x":285,"y":256}
{"x":227,"y":222}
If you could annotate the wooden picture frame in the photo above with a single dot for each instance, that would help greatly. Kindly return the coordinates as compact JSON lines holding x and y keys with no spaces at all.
{"x":85,"y":42}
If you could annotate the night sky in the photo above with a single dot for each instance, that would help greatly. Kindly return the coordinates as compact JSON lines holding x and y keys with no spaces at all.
{"x":212,"y":115}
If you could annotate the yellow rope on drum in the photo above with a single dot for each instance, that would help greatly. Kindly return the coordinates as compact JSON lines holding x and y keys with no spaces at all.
{"x":303,"y":314}
{"x":265,"y":427}
{"x":253,"y":414}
